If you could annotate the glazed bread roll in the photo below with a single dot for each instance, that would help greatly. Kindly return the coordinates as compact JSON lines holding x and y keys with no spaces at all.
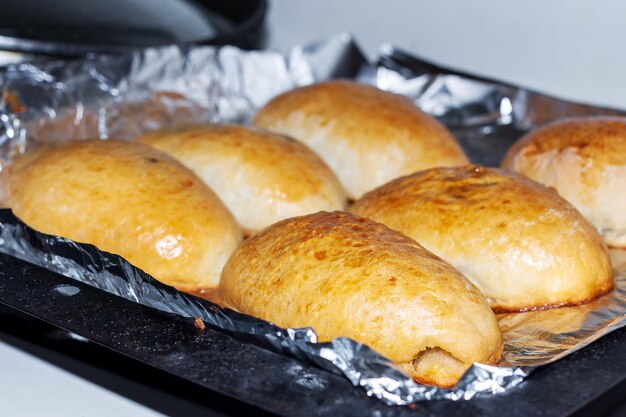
{"x":366,"y":135}
{"x":585,"y":160}
{"x":128,"y":199}
{"x":523,"y":246}
{"x":349,"y":276}
{"x":261,"y":177}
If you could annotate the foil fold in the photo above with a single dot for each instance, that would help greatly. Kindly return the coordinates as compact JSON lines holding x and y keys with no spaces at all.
{"x":485,"y":116}
{"x":122,"y":96}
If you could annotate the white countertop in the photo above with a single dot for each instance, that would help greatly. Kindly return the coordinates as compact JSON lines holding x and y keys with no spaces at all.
{"x":30,"y":387}
{"x":570,"y":48}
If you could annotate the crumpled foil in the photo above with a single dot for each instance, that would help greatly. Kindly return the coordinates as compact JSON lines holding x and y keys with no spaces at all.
{"x":486,"y":116}
{"x":122,"y":96}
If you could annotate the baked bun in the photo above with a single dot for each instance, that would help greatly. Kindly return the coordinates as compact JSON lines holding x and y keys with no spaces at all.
{"x":261,"y":177}
{"x":524,"y":246}
{"x":349,"y":276}
{"x":366,"y":135}
{"x":585,"y":160}
{"x":129,"y":199}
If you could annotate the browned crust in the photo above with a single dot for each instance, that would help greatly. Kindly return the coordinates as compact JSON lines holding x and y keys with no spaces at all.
{"x":212,"y":294}
{"x":604,"y":291}
{"x":493,"y":360}
{"x":366,"y":273}
{"x":427,"y":381}
{"x":350,"y":124}
{"x":458,"y":204}
{"x":600,"y":138}
{"x":280,"y":162}
{"x":125,"y":198}
{"x":612,"y":246}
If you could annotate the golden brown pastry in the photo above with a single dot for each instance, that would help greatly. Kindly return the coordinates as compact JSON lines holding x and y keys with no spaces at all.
{"x":518,"y":241}
{"x":345,"y":275}
{"x":585,"y":160}
{"x":129,"y":199}
{"x":366,"y":135}
{"x":260,"y":176}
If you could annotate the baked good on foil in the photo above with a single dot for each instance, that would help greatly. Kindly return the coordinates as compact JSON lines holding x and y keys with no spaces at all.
{"x":584,"y":159}
{"x":346,"y":275}
{"x":367,"y":136}
{"x":128,"y":199}
{"x":260,"y":176}
{"x":523,"y":245}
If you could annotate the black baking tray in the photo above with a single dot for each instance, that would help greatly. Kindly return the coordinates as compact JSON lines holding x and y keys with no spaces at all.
{"x":583,"y":384}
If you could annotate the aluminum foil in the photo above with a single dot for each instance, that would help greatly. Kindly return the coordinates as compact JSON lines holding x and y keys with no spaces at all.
{"x":486,"y":116}
{"x":121,"y":96}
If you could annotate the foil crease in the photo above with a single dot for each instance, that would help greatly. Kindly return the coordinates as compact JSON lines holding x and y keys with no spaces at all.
{"x":485,"y":116}
{"x":121,"y":96}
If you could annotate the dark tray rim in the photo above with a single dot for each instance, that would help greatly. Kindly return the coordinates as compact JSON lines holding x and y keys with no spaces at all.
{"x":243,"y":35}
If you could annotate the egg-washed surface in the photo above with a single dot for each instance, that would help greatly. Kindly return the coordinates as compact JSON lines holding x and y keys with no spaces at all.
{"x":346,"y":275}
{"x":124,"y":96}
{"x":366,"y":135}
{"x":129,"y":199}
{"x":261,"y":177}
{"x":584,"y":159}
{"x":524,"y":246}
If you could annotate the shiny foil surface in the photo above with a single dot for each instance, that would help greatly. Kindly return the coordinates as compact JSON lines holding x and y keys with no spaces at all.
{"x":122,"y":96}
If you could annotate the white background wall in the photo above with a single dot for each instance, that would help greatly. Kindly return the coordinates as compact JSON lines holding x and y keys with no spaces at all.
{"x":571,"y":48}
